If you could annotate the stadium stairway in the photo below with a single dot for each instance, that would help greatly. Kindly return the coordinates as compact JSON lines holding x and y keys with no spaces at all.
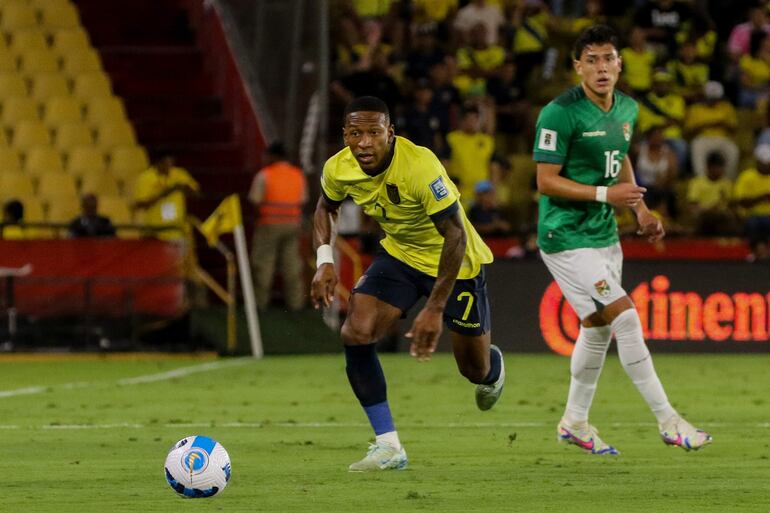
{"x":156,"y":63}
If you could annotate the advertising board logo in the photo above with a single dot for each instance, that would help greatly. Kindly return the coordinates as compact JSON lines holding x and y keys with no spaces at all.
{"x":668,"y":315}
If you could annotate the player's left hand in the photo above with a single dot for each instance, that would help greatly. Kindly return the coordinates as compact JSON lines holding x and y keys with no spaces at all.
{"x":424,"y":333}
{"x":650,"y":226}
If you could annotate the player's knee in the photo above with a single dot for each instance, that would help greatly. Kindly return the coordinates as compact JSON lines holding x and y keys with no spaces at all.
{"x":356,"y":335}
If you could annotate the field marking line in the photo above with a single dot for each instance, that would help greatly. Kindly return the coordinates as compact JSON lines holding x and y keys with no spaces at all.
{"x":180,"y":372}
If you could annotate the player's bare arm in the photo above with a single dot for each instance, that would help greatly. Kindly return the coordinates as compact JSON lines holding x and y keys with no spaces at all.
{"x":551,"y":183}
{"x":325,"y":279}
{"x":427,"y":325}
{"x":649,"y":225}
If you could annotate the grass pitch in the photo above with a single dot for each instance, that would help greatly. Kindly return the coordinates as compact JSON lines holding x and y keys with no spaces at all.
{"x":92,"y":436}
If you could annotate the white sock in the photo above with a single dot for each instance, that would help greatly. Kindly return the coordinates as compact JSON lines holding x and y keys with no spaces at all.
{"x":585,"y":367}
{"x":390,"y":438}
{"x":637,"y":362}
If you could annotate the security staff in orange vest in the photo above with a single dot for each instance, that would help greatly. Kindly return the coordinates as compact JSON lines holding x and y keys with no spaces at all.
{"x":278,"y":192}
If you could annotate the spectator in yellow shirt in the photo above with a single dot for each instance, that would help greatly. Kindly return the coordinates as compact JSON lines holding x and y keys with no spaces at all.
{"x":690,"y":75}
{"x":710,"y":123}
{"x":477,"y":62}
{"x":709,"y":197}
{"x":752,"y":195}
{"x":13,"y":218}
{"x":755,"y":71}
{"x":664,"y":108}
{"x":471,"y":149}
{"x":638,"y":62}
{"x":161,"y":195}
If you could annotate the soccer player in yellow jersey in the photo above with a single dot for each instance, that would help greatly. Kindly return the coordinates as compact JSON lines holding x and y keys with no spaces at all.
{"x":430,"y":249}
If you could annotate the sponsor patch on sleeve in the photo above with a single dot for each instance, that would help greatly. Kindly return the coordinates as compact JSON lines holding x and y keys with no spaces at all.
{"x":438,"y":189}
{"x":547,"y":140}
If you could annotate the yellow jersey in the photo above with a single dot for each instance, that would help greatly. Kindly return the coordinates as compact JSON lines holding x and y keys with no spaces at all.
{"x":637,"y":67}
{"x":752,"y":184}
{"x":401,"y":199}
{"x":169,"y":210}
{"x":471,"y":155}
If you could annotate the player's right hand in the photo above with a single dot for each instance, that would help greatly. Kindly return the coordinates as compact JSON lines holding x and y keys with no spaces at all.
{"x":323,"y":285}
{"x":625,"y":194}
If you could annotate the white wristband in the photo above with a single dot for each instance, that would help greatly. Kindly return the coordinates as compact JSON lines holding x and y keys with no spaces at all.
{"x":601,"y":194}
{"x":324,"y":255}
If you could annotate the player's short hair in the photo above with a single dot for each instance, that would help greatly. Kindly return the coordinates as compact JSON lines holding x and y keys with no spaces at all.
{"x":366,"y":104}
{"x":595,"y":35}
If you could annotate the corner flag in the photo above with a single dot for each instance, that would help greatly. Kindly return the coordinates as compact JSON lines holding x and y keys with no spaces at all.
{"x":223,"y":220}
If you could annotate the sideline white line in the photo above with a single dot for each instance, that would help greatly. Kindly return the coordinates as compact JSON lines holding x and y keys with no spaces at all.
{"x":136,"y":380}
{"x":321,"y":425}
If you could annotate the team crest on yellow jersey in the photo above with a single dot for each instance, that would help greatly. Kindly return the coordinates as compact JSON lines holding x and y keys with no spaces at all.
{"x":393,"y":194}
{"x":627,"y":131}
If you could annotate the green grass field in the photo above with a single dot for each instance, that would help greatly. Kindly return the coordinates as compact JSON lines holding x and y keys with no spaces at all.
{"x":83,"y":436}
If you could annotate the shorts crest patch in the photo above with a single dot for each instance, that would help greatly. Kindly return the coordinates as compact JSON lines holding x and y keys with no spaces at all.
{"x":393,"y":194}
{"x":602,"y":288}
{"x":438,"y":189}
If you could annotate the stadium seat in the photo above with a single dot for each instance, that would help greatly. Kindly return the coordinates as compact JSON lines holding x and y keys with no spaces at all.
{"x":92,"y":85}
{"x":82,"y":62}
{"x":38,"y":61}
{"x":62,"y":208}
{"x":116,"y":208}
{"x":18,"y":16}
{"x":127,"y":162}
{"x":85,"y":159}
{"x":33,"y":209}
{"x":12,"y":84}
{"x":112,"y":135}
{"x":56,"y":15}
{"x":19,"y":108}
{"x":48,"y":85}
{"x":16,"y":185}
{"x":103,"y":110}
{"x":70,"y":135}
{"x":66,"y":41}
{"x":99,"y":182}
{"x":62,"y":109}
{"x":9,"y":160}
{"x":41,"y":160}
{"x":25,"y":40}
{"x":30,"y":133}
{"x":53,"y":184}
{"x":8,"y":61}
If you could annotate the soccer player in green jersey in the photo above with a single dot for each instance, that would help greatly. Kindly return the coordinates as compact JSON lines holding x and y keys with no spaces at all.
{"x":583,"y":172}
{"x":430,"y":249}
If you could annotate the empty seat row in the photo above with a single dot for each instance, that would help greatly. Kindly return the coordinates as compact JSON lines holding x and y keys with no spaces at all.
{"x":46,"y":60}
{"x":49,"y":15}
{"x":123,"y":162}
{"x":62,"y":109}
{"x":27,"y":134}
{"x":61,"y":42}
{"x":41,"y":86}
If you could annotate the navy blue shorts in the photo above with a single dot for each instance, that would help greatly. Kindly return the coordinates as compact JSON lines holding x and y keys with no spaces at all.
{"x":392,"y":281}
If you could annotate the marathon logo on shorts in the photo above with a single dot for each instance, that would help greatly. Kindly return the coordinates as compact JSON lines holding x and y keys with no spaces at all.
{"x":602,"y":288}
{"x":547,"y":140}
{"x":393,"y":194}
{"x":438,"y":189}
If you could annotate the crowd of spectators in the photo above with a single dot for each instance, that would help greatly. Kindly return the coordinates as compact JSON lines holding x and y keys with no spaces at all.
{"x":467,"y":79}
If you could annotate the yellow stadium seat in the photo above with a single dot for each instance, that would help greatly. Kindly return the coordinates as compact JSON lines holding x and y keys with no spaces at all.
{"x":53,"y":184}
{"x":59,"y":16}
{"x":33,"y":210}
{"x":3,"y":138}
{"x":16,"y":185}
{"x":85,"y":159}
{"x":82,"y":62}
{"x":26,"y":40}
{"x":112,"y":135}
{"x":30,"y":133}
{"x":19,"y":108}
{"x":99,"y":183}
{"x":62,"y":109}
{"x":70,"y":135}
{"x":103,"y":110}
{"x":43,"y":159}
{"x":9,"y":160}
{"x":8,"y":61}
{"x":127,"y":162}
{"x":66,"y":41}
{"x":62,"y":208}
{"x":48,"y":85}
{"x":92,"y":84}
{"x":42,"y":3}
{"x":18,"y":16}
{"x":38,"y":61}
{"x":116,"y":208}
{"x":12,"y":84}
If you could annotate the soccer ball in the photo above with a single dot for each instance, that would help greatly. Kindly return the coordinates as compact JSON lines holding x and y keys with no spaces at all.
{"x":197,"y":467}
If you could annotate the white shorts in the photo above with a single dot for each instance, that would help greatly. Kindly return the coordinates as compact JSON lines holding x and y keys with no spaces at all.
{"x":588,"y":277}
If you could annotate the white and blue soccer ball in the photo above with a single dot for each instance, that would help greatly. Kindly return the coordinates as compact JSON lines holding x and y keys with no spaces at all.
{"x":197,"y":467}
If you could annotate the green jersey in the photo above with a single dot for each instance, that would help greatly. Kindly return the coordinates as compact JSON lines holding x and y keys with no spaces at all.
{"x":590,"y":145}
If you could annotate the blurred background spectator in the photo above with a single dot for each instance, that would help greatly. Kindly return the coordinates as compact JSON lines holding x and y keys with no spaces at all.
{"x":752,"y":194}
{"x":485,"y":213}
{"x":89,"y":223}
{"x":13,"y":218}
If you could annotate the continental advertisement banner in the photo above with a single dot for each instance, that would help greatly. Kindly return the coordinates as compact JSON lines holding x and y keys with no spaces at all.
{"x":684,"y":306}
